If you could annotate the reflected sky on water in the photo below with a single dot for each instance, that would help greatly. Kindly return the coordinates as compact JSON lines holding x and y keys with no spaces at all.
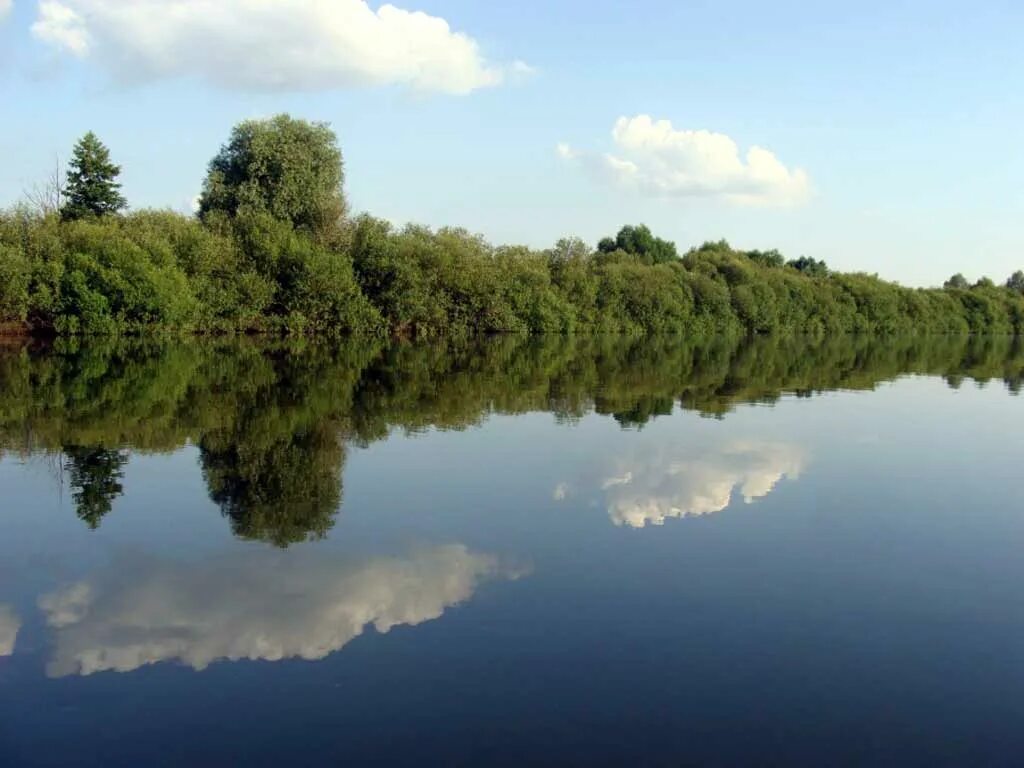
{"x":560,"y":553}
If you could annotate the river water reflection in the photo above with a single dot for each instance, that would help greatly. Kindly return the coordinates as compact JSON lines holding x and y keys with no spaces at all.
{"x":513,"y":551}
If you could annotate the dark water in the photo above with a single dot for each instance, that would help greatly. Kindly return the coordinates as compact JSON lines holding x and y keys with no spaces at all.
{"x":556,"y":552}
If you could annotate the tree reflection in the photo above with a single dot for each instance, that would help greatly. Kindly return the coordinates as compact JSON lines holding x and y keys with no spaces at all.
{"x":274,"y":466}
{"x":284,"y":492}
{"x":95,"y":475}
{"x":272,"y":419}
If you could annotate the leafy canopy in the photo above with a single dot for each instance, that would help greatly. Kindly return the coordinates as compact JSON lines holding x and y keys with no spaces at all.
{"x":810,"y":266}
{"x":92,"y":188}
{"x":639,"y":241}
{"x":957,"y":281}
{"x":771,"y":258}
{"x":1016,"y":282}
{"x":287,"y":168}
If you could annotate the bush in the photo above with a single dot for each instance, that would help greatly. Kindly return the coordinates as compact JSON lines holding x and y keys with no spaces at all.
{"x":158,"y":270}
{"x":15,"y":280}
{"x":139,"y":287}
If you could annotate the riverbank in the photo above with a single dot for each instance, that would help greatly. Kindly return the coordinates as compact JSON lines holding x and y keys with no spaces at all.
{"x":160,"y":272}
{"x":275,"y":253}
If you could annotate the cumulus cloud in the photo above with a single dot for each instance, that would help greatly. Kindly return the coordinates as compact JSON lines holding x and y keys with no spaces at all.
{"x":10,"y":624}
{"x":649,"y":490}
{"x":62,"y":27}
{"x":267,"y":606}
{"x":271,"y":44}
{"x":654,"y":158}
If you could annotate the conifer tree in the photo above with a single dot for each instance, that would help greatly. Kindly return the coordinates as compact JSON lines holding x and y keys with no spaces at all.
{"x":92,"y":188}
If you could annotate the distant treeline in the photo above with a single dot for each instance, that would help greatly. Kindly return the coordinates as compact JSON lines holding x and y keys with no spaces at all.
{"x":271,"y":421}
{"x":272,"y":249}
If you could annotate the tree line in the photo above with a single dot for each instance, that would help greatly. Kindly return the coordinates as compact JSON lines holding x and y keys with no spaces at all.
{"x":272,"y":421}
{"x":272,"y":249}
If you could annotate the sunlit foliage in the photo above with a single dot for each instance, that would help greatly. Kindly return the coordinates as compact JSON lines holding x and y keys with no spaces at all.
{"x":272,"y":251}
{"x":288,"y":169}
{"x":92,"y":188}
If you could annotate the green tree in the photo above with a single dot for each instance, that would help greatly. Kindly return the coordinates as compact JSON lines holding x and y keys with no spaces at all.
{"x":810,"y":266}
{"x":639,"y":241}
{"x":291,"y":169}
{"x":770,"y":258}
{"x":1016,"y":281}
{"x":15,"y":277}
{"x":92,"y":188}
{"x":957,"y":281}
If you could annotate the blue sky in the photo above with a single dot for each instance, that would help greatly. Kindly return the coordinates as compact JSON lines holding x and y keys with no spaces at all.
{"x":890,"y":131}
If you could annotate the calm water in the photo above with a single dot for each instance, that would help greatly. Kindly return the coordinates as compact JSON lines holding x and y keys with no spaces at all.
{"x":551,"y":552}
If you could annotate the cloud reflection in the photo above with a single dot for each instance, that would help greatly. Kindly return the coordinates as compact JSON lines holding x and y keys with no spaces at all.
{"x":10,"y":624}
{"x":649,"y":490}
{"x":266,"y":605}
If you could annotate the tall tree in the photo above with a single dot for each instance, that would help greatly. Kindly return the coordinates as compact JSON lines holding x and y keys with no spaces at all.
{"x":957,"y":281}
{"x":639,"y":241}
{"x":288,"y":168}
{"x":1016,"y":281}
{"x":92,"y":188}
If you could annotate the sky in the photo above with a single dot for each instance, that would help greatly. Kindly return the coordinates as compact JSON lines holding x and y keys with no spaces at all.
{"x":879,"y":136}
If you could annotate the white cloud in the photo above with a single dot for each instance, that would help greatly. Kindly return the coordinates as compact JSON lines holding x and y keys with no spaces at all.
{"x":5,"y":8}
{"x":60,"y":26}
{"x":267,"y":605}
{"x":656,"y":159}
{"x":270,"y":44}
{"x":10,"y":624}
{"x":649,"y":490}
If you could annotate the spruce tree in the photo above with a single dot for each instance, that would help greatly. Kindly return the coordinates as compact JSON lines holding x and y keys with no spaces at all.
{"x":92,"y":188}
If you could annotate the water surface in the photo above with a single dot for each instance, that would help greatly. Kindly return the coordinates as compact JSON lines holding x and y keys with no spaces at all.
{"x":590,"y":551}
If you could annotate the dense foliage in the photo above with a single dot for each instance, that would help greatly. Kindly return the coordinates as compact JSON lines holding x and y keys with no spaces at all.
{"x":640,"y":243}
{"x":288,"y":169}
{"x":92,"y":187}
{"x":272,"y":421}
{"x":272,"y":251}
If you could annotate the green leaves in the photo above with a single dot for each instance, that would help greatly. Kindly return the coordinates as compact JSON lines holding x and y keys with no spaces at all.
{"x":640,"y":243}
{"x":957,"y":282}
{"x":289,"y":169}
{"x":15,"y":275}
{"x":272,"y":251}
{"x":92,"y":188}
{"x":1016,"y":282}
